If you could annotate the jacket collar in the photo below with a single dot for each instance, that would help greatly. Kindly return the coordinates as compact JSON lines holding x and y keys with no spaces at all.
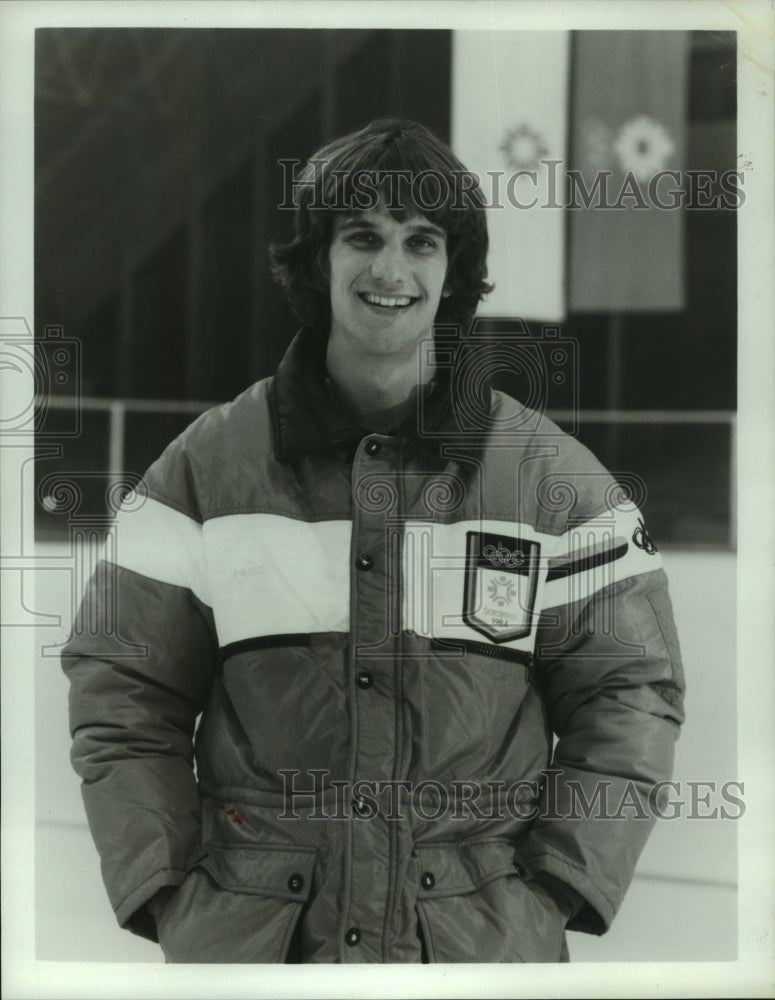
{"x":307,"y":415}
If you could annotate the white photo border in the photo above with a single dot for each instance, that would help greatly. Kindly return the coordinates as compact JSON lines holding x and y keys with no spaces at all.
{"x":753,"y":973}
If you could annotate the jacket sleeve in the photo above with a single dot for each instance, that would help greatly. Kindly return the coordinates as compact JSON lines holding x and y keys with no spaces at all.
{"x":609,"y":670}
{"x":140,"y":661}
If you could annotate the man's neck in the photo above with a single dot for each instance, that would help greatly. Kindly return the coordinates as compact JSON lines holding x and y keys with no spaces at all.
{"x":379,"y":392}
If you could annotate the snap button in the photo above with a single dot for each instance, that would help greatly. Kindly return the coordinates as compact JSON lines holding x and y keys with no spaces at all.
{"x":428,"y":880}
{"x":373,"y":447}
{"x":352,"y":937}
{"x":364,"y":679}
{"x":364,"y":562}
{"x":360,"y":806}
{"x":296,"y":882}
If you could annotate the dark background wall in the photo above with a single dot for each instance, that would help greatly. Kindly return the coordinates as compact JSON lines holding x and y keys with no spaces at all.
{"x":157,"y":186}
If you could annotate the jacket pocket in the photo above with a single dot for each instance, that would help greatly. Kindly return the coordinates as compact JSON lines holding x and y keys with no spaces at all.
{"x":239,"y":904}
{"x":493,"y":684}
{"x":256,"y":677}
{"x":475,"y":905}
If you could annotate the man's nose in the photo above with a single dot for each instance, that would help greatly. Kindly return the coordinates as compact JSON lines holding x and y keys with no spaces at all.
{"x":388,"y":266}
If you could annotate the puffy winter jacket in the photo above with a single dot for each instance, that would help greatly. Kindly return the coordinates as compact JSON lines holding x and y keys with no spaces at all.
{"x":370,"y":640}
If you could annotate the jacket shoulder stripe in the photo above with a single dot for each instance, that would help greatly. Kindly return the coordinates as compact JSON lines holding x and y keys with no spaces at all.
{"x":596,"y":553}
{"x":586,"y":560}
{"x":161,"y":543}
{"x":270,"y":574}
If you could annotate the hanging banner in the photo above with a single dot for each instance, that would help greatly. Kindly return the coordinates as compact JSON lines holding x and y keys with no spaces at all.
{"x":629,"y":100}
{"x":509,"y":126}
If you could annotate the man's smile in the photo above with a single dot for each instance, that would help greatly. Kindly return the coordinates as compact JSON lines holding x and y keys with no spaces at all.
{"x":387,"y":301}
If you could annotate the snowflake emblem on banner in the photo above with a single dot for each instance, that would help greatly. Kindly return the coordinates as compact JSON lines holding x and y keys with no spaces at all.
{"x":523,"y":148}
{"x":502,"y":591}
{"x":643,"y":147}
{"x":597,"y":139}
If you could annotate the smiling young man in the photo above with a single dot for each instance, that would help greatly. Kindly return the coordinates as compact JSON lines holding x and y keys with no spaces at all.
{"x":387,"y":278}
{"x":379,"y":609}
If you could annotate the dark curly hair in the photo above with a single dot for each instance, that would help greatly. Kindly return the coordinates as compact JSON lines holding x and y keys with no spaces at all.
{"x":413,"y":172}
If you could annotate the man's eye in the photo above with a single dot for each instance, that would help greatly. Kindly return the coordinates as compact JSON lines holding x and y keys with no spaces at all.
{"x":422,"y":243}
{"x":362,"y":239}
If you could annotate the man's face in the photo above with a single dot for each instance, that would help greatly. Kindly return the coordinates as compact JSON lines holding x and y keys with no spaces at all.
{"x":386,"y":279}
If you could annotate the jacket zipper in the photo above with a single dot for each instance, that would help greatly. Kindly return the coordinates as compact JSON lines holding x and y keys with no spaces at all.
{"x":486,"y":649}
{"x":263,"y":642}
